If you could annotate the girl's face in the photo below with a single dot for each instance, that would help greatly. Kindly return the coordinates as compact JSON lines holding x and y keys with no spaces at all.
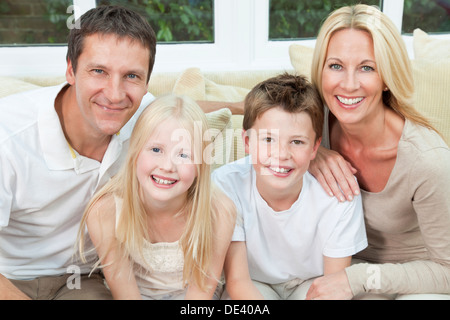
{"x":165,"y":168}
{"x":351,"y":85}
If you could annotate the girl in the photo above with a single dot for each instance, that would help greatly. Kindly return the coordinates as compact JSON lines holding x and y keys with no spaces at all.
{"x":160,"y":218}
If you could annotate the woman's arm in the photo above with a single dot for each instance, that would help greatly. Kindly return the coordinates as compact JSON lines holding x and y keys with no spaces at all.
{"x":101,"y":224}
{"x":335,"y":174}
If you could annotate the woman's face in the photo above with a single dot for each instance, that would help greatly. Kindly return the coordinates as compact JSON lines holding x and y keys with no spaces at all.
{"x":351,"y":85}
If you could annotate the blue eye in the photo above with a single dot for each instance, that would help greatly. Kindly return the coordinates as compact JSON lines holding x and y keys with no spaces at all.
{"x":367,"y":68}
{"x":156,"y":150}
{"x":335,"y":66}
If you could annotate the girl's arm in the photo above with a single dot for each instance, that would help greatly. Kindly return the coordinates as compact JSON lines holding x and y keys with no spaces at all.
{"x":238,"y":282}
{"x":101,"y":224}
{"x":224,"y":220}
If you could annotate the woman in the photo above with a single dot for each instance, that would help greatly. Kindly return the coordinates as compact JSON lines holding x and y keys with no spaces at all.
{"x":401,"y":163}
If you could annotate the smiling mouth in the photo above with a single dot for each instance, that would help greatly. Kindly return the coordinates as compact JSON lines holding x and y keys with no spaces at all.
{"x":279,"y":170}
{"x":163,"y":181}
{"x":110,"y":108}
{"x":349,"y":102}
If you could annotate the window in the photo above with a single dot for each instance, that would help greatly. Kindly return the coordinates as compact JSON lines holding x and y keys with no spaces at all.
{"x":175,"y":21}
{"x":302,"y":19}
{"x":24,"y":22}
{"x":208,"y":34}
{"x":430,"y":16}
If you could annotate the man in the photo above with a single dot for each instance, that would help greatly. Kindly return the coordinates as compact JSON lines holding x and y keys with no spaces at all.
{"x":60,"y":145}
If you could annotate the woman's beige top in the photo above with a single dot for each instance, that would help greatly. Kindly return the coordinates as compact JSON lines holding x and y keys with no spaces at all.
{"x":408,"y":223}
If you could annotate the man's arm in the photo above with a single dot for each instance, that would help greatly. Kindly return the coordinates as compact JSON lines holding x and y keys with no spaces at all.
{"x":8,"y":291}
{"x":209,"y":106}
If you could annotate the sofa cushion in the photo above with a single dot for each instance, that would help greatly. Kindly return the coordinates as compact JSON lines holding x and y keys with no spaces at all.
{"x":10,"y":85}
{"x":192,"y":83}
{"x":426,"y":47}
{"x":301,"y":59}
{"x":221,"y":131}
{"x":431,"y":70}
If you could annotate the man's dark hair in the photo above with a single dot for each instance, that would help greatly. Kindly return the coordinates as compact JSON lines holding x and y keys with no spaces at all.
{"x":114,"y":20}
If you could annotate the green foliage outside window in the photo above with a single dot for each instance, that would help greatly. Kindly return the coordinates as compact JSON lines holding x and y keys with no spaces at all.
{"x":174,"y":21}
{"x":428,"y":15}
{"x":302,"y":19}
{"x":44,"y":21}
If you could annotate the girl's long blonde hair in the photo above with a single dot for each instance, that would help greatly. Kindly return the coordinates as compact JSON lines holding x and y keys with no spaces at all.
{"x":131,"y":228}
{"x":392,"y":59}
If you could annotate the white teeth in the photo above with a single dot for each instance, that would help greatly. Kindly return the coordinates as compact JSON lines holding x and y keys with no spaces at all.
{"x":349,"y":101}
{"x":280,"y":170}
{"x":162,"y":181}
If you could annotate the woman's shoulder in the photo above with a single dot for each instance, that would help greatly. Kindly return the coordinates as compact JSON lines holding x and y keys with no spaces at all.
{"x":422,"y":139}
{"x":426,"y":151}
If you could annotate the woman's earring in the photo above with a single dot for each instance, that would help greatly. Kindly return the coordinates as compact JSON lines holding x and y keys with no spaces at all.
{"x":386,"y":89}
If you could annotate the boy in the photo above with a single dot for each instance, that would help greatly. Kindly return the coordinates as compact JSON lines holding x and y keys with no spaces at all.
{"x":291,"y":231}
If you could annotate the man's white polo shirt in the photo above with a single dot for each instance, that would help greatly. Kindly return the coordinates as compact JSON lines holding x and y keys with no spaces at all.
{"x":45,"y":186}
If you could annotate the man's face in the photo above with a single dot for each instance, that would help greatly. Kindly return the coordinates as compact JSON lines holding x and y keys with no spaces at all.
{"x":110,"y":81}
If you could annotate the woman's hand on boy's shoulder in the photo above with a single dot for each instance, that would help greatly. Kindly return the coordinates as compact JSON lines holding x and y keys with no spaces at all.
{"x":335,"y":174}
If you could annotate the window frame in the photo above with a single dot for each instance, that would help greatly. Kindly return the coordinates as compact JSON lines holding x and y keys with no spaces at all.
{"x":241,"y":43}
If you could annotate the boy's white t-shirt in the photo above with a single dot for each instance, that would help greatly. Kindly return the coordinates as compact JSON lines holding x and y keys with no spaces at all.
{"x":290,"y":244}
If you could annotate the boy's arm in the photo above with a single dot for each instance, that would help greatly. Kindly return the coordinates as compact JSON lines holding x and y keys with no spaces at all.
{"x":210,"y":106}
{"x":332,"y":265}
{"x":334,"y":284}
{"x":237,"y":277}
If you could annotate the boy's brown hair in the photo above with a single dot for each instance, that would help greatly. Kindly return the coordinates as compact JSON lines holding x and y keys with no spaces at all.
{"x":292,"y":93}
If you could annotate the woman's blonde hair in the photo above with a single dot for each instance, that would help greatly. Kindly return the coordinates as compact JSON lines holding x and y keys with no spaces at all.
{"x":131,"y":228}
{"x":392,"y":59}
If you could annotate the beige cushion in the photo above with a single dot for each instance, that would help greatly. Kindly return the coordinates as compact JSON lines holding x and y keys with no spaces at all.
{"x":431,"y":68}
{"x":301,"y":59}
{"x":221,"y":130}
{"x":10,"y":86}
{"x":192,"y":83}
{"x":426,"y":47}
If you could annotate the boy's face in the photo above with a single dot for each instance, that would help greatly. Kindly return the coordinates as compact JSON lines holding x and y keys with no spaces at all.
{"x":110,"y":81}
{"x":282,"y":145}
